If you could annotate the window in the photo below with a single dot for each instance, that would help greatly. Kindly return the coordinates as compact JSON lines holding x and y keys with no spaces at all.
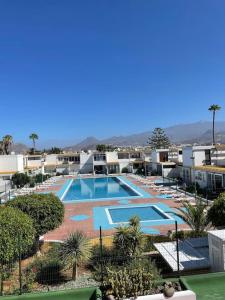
{"x":123,"y":155}
{"x":163,"y":156}
{"x":99,"y":157}
{"x":34,"y":158}
{"x":135,"y":155}
{"x":207,"y":157}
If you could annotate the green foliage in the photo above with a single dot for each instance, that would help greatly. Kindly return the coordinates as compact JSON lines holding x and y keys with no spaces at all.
{"x":216,"y":213}
{"x":128,"y":240}
{"x":38,"y":178}
{"x":75,"y":250}
{"x":54,"y":150}
{"x":195,"y":217}
{"x":104,"y":148}
{"x":7,"y":141}
{"x":46,"y":210}
{"x":132,"y":280}
{"x":33,"y":137}
{"x":159,"y":140}
{"x":20,"y":179}
{"x":16,"y":233}
{"x":124,"y":170}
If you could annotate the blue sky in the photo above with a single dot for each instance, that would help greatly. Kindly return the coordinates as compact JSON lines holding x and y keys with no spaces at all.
{"x":71,"y":69}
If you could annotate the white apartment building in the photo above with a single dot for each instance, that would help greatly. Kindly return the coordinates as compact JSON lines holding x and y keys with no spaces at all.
{"x":204,"y":165}
{"x":164,"y":161}
{"x":11,"y":164}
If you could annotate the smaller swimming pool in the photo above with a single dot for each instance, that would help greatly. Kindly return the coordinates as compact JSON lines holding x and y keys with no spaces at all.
{"x":145,"y":213}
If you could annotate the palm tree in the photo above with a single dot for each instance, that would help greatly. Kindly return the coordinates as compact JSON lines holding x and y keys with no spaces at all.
{"x":195,"y":217}
{"x":75,"y":250}
{"x":33,"y":137}
{"x":1,"y":147}
{"x":214,"y":108}
{"x":7,"y":142}
{"x":128,"y":240}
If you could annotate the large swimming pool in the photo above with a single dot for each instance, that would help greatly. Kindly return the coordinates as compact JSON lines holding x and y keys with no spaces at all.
{"x":99,"y":188}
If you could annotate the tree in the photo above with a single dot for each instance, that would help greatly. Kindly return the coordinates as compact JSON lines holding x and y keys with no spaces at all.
{"x":104,"y":148}
{"x":7,"y":143}
{"x":75,"y":250}
{"x":16,"y":233}
{"x":1,"y":147}
{"x":159,"y":140}
{"x":128,"y":240}
{"x":213,"y":108}
{"x":195,"y":217}
{"x":216,"y":213}
{"x":20,"y":179}
{"x":55,"y":150}
{"x":16,"y":237}
{"x":46,"y":210}
{"x":33,"y":137}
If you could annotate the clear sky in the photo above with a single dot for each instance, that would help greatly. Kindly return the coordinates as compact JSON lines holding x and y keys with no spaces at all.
{"x":76,"y":68}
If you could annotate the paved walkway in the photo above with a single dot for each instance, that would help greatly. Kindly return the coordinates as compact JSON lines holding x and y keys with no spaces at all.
{"x":79,"y":216}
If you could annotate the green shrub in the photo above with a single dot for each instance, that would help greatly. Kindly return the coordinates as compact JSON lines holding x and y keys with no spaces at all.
{"x":45,"y":270}
{"x":216,"y":213}
{"x":124,"y":170}
{"x":20,"y":179}
{"x":16,"y":233}
{"x":135,"y":279}
{"x":46,"y":210}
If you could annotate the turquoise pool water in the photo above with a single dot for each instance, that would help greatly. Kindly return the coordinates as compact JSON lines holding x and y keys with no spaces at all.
{"x":145,"y":213}
{"x":99,"y":188}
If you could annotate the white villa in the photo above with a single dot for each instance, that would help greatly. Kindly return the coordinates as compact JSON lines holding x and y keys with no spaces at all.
{"x":202,"y":164}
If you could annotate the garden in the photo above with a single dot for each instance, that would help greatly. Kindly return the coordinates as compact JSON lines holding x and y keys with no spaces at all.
{"x":124,"y":266}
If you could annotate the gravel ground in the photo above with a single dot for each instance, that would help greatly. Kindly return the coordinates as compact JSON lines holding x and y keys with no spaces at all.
{"x":81,"y":282}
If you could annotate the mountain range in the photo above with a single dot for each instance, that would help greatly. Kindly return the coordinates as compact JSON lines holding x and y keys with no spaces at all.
{"x":198,"y":132}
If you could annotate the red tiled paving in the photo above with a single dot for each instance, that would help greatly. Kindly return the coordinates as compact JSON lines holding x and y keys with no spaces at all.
{"x":86,"y":208}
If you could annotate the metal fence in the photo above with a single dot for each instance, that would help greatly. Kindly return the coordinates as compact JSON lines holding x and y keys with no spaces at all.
{"x":46,"y":271}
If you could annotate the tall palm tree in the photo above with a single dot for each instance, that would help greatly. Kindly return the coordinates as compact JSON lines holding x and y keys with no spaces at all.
{"x":75,"y":250}
{"x":214,"y":108}
{"x":7,"y":142}
{"x":33,"y":137}
{"x":1,"y":147}
{"x":195,"y":217}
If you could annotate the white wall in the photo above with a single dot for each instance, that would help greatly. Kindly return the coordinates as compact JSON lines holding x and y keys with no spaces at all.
{"x":155,"y":156}
{"x":187,"y":154}
{"x":86,"y":162}
{"x":33,"y":163}
{"x":11,"y":163}
{"x":51,"y":159}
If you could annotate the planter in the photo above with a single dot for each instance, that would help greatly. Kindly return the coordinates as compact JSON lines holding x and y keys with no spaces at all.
{"x":183,"y":295}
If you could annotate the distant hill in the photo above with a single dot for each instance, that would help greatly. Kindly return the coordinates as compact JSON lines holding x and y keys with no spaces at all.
{"x":198,"y":132}
{"x":19,"y":148}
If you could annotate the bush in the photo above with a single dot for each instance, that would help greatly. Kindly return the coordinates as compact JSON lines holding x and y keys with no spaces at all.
{"x":216,"y":213}
{"x":46,"y":210}
{"x":124,"y":170}
{"x":135,"y":279}
{"x":20,"y":179}
{"x":16,"y":232}
{"x":46,"y":270}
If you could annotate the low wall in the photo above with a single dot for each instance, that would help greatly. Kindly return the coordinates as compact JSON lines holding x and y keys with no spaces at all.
{"x":183,"y":295}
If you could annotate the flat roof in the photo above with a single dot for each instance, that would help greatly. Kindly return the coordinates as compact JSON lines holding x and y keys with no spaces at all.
{"x":215,"y":169}
{"x":218,"y":233}
{"x":193,"y":254}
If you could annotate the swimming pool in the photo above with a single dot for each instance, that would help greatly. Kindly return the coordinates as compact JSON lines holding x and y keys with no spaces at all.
{"x":145,"y":213}
{"x":100,"y":188}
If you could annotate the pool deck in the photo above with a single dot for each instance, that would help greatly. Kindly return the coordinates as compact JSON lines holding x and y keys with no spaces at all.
{"x":80,"y":215}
